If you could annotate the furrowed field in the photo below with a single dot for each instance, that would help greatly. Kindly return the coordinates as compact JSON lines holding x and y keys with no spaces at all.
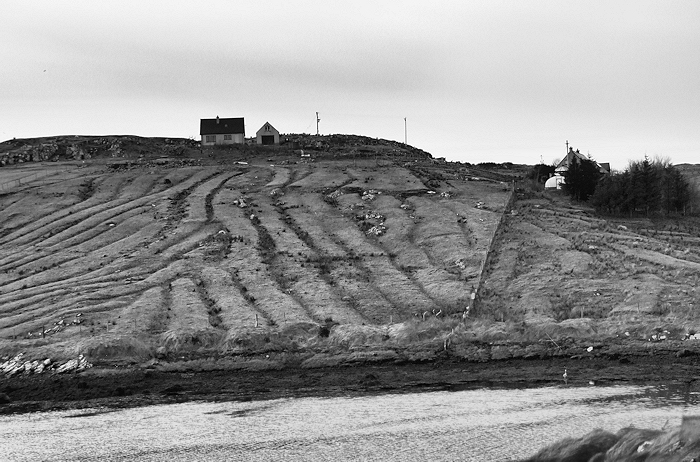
{"x":135,"y":249}
{"x":171,"y":261}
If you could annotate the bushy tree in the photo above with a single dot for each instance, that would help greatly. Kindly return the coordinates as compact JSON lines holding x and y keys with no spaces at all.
{"x":581,"y":178}
{"x":541,"y":172}
{"x":646,"y":186}
{"x":610,"y":196}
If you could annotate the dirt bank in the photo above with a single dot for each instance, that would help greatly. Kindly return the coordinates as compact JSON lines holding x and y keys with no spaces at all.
{"x":139,"y":386}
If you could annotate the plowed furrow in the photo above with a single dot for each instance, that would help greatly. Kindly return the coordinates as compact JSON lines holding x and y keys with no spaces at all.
{"x":235,"y":311}
{"x":208,"y":200}
{"x":313,"y":278}
{"x":385,"y":277}
{"x":195,"y":207}
{"x":267,"y":254}
{"x":168,"y":250}
{"x":96,"y":202}
{"x":346,"y":271}
{"x":245,"y":263}
{"x":76,"y":285}
{"x":391,"y":282}
{"x":111,"y":200}
{"x":89,"y":239}
{"x":90,"y":216}
{"x":109,"y":286}
{"x":187,"y":309}
{"x":145,"y":312}
{"x":51,"y":306}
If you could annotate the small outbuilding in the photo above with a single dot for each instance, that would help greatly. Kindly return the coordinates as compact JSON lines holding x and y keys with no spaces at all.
{"x":268,"y":135}
{"x":222,"y":131}
{"x":554,"y":182}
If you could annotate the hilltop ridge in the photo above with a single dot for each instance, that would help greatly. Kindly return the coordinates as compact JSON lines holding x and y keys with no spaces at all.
{"x":82,"y":147}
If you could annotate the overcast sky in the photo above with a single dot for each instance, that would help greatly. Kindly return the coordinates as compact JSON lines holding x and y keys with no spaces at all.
{"x":476,"y":80}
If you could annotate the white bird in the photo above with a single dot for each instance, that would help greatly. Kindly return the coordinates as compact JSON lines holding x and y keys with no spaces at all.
{"x":566,"y":377}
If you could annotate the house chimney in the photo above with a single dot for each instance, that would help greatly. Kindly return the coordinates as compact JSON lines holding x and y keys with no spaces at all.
{"x":217,"y":120}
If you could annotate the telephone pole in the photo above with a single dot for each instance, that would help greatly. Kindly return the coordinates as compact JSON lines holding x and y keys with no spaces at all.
{"x":317,"y":121}
{"x":405,"y":132}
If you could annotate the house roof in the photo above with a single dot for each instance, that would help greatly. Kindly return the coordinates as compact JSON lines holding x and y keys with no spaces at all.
{"x":564,"y":164}
{"x":272,"y":129}
{"x":221,"y":126}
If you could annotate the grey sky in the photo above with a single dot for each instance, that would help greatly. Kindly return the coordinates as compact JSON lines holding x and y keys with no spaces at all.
{"x":477,"y":80}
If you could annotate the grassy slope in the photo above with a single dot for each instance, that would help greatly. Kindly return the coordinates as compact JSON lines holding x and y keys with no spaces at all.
{"x":139,"y":256}
{"x":556,"y":261}
{"x":160,"y":259}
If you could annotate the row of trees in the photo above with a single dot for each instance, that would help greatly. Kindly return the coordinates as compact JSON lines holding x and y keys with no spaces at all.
{"x":644,"y":188}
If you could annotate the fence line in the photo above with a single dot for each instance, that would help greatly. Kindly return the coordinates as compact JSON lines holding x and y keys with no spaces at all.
{"x":489,"y":253}
{"x":26,"y":179}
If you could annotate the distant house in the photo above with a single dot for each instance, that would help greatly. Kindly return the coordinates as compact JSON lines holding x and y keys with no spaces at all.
{"x":268,"y":135}
{"x":563,"y":166}
{"x":222,"y":131}
{"x":557,"y":180}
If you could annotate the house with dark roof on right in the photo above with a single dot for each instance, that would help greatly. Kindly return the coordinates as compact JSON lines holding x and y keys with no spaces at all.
{"x":557,"y":180}
{"x":222,"y":131}
{"x":572,"y":156}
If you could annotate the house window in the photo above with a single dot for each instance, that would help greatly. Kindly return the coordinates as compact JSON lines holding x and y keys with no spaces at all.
{"x":211,"y":138}
{"x":228,"y":137}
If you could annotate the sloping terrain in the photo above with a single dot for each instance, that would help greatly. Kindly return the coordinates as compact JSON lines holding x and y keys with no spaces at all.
{"x":556,"y":261}
{"x":157,"y":248}
{"x":233,"y":252}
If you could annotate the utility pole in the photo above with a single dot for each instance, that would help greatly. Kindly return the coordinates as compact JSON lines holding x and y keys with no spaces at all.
{"x":317,"y":121}
{"x":405,"y":132}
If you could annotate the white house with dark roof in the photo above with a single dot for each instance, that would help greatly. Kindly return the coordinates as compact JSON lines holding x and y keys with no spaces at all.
{"x":564,"y":164}
{"x":557,"y":180}
{"x":268,"y":135}
{"x":222,"y":131}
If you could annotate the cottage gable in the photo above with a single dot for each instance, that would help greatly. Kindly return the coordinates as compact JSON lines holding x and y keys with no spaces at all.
{"x":268,"y":134}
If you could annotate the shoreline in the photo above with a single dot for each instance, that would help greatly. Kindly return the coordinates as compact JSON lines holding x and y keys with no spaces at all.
{"x":113,"y":388}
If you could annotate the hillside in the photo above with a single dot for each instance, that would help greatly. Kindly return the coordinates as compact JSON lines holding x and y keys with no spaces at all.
{"x":127,"y":249}
{"x":557,"y":261}
{"x":124,"y":254}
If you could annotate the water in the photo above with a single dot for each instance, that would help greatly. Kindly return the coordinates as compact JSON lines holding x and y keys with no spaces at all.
{"x":470,"y":425}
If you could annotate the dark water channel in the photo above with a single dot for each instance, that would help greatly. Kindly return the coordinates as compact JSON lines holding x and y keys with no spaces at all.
{"x":470,"y":425}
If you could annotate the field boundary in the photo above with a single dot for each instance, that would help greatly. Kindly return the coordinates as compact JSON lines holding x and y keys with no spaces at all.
{"x":492,"y":244}
{"x":26,"y":179}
